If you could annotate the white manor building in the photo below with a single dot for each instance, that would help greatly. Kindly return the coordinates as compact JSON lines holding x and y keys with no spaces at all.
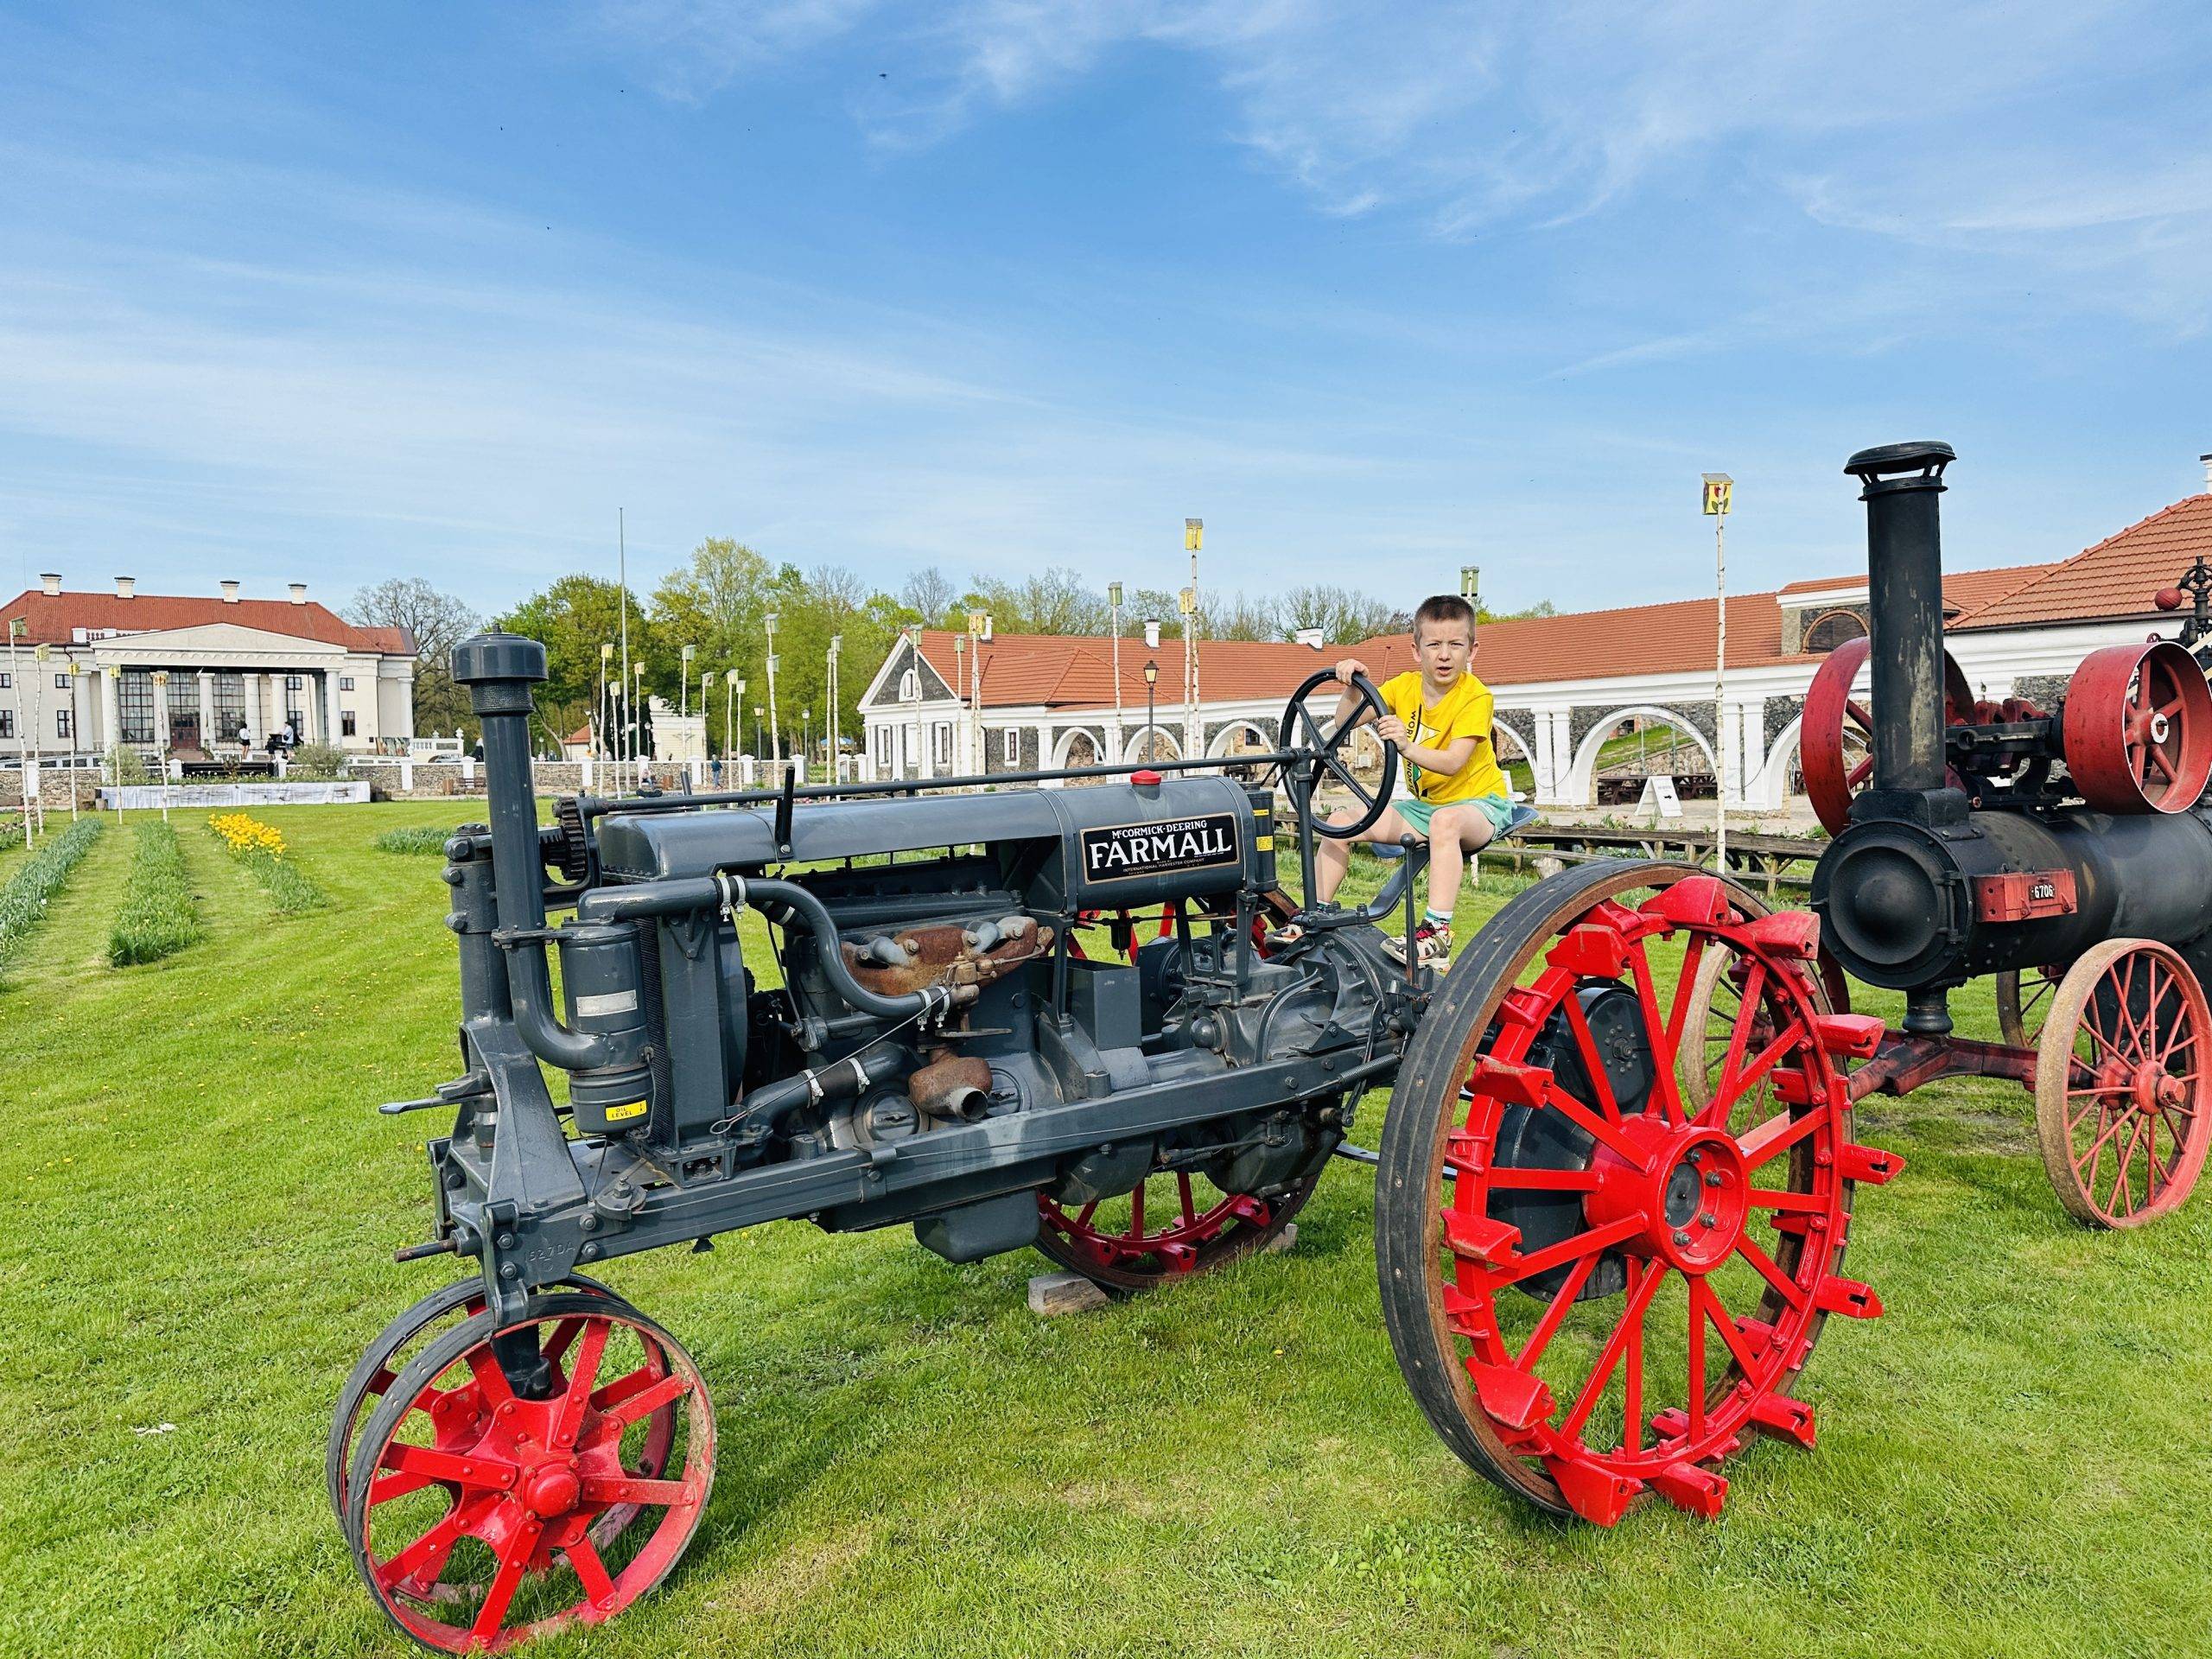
{"x":942,"y":704}
{"x":182,"y":675}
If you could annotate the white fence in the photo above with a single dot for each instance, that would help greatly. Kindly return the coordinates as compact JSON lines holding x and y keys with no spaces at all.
{"x":140,"y":796}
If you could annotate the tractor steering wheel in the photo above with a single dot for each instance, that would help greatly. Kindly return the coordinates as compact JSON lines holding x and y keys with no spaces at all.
{"x":1316,"y":752}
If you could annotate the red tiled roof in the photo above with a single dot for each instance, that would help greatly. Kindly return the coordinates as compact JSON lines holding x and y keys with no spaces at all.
{"x":1074,"y":671}
{"x":2114,"y":579}
{"x":1065,"y":671}
{"x":1963,"y":590}
{"x":52,"y":617}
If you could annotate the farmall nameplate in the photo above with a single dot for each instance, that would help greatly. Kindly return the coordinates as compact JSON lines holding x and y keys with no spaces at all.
{"x":1131,"y":849}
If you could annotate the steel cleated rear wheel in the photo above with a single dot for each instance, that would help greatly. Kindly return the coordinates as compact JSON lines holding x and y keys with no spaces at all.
{"x":483,"y":1511}
{"x":1618,"y":1288}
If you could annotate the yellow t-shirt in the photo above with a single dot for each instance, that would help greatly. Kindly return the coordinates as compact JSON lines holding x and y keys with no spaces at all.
{"x":1464,"y":711}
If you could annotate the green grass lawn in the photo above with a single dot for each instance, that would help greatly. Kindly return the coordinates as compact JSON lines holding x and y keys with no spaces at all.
{"x":203,"y":1205}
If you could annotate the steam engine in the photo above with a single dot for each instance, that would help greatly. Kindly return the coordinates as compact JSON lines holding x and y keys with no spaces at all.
{"x":1996,"y":838}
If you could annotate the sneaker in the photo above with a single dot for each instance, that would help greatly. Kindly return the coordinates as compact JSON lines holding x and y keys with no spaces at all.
{"x":1432,"y":943}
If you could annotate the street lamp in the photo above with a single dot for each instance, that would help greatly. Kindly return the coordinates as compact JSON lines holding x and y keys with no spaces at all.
{"x":806,"y":732}
{"x":684,"y":687}
{"x":162,"y":732}
{"x":775,"y":732}
{"x":606,"y":709}
{"x":960,"y":681}
{"x":76,"y":736}
{"x":732,"y":689}
{"x":637,"y":719}
{"x":833,"y":718}
{"x":756,"y":730}
{"x":1151,"y":732}
{"x":1114,"y":631}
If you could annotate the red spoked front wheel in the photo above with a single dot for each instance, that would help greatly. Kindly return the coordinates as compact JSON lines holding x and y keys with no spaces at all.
{"x":2123,"y":1084}
{"x":1618,"y":1286}
{"x":515,"y":1478}
{"x":381,"y":1362}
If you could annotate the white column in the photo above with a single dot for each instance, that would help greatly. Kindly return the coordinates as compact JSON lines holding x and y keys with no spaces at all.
{"x":110,"y":715}
{"x":209,"y":737}
{"x":1752,"y":716}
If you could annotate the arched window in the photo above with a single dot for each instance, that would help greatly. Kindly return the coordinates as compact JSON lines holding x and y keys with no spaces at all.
{"x":910,"y":687}
{"x":1834,"y":629}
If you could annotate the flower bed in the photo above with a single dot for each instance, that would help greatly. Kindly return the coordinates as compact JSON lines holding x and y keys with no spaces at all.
{"x":260,"y":848}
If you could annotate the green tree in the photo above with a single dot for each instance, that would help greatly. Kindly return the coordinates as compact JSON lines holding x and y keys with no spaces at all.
{"x":572,"y":619}
{"x":437,"y":622}
{"x":1344,"y":615}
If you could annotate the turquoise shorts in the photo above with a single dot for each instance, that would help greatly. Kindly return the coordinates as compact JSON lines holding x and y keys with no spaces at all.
{"x":1497,"y":808}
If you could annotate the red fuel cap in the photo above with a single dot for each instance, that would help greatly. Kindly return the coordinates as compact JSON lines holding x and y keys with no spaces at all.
{"x":1144,"y":775}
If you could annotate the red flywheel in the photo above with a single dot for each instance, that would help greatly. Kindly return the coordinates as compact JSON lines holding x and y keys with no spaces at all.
{"x":1597,"y":1290}
{"x":1834,"y":736}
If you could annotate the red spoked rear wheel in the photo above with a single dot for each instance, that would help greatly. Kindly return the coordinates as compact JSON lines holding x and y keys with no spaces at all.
{"x":2139,"y":729}
{"x":1619,"y":1288}
{"x":482,"y":1514}
{"x":2123,"y":1084}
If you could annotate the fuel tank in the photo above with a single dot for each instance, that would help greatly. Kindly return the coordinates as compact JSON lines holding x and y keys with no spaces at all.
{"x":1103,"y":846}
{"x":1904,"y":904}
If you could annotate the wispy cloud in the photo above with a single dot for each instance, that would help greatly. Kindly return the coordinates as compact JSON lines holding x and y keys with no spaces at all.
{"x":1930,"y":125}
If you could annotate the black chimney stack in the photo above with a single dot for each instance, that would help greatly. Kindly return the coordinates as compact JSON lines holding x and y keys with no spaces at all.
{"x":1905,"y":570}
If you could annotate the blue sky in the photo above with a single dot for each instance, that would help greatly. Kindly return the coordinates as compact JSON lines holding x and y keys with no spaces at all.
{"x":331,"y":294}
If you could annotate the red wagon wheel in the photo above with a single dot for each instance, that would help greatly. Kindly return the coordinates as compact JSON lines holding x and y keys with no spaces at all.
{"x":1617,"y":1289}
{"x":2023,"y":1004}
{"x":1835,"y":734}
{"x":2123,"y":1084}
{"x":382,"y":1361}
{"x":2139,"y":729}
{"x":1174,"y":1221}
{"x":481,"y":1515}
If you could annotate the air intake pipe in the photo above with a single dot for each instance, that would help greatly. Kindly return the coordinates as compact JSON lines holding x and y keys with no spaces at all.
{"x":499,"y":669}
{"x":1905,"y":571}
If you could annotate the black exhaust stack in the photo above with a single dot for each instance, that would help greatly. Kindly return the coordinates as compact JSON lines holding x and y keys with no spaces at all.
{"x":1905,"y":571}
{"x":604,"y":1049}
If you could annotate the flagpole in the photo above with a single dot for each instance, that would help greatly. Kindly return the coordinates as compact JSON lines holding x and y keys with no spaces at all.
{"x":1720,"y":496}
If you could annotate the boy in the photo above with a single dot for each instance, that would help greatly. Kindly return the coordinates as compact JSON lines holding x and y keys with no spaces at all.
{"x":1439,"y":723}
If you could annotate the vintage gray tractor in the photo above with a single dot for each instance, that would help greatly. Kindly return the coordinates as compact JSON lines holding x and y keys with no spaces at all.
{"x":1064,"y":1017}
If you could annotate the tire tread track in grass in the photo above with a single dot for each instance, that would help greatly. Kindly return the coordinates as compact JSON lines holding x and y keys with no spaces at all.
{"x":160,"y":916}
{"x":23,"y":901}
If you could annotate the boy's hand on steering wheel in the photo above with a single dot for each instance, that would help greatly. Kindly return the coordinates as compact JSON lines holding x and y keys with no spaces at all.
{"x":1348,"y":667}
{"x":1391,"y":729}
